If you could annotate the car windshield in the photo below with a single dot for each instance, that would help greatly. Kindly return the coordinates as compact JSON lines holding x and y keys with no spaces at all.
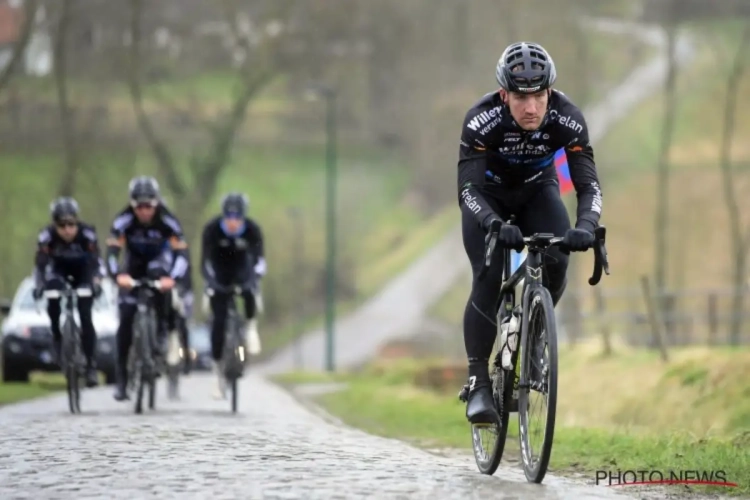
{"x":25,"y":299}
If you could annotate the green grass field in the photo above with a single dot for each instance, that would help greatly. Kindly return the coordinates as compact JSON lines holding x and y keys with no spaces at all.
{"x":632,"y":413}
{"x":41,"y":384}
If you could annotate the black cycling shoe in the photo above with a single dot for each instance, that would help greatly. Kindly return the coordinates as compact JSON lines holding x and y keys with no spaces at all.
{"x":480,"y":407}
{"x":121,"y":389}
{"x":92,"y":377}
{"x":121,"y":392}
{"x":187,"y":364}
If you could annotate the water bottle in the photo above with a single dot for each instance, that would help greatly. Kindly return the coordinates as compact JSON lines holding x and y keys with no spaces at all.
{"x":509,"y":339}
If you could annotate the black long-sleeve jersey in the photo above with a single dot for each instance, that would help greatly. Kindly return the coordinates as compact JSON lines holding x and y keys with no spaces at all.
{"x":79,"y":255}
{"x":496,"y":155}
{"x":144,"y":243}
{"x":221,"y":253}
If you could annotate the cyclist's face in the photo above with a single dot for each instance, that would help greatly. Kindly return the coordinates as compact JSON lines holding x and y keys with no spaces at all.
{"x":144,"y":211}
{"x":67,"y":229}
{"x":233,"y":223}
{"x":527,"y":109}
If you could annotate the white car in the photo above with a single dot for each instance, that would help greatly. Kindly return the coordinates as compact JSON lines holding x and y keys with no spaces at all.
{"x":27,"y":339}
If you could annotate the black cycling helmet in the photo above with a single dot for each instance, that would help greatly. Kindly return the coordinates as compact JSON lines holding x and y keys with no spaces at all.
{"x":235,"y":204}
{"x":526,"y":68}
{"x":63,"y":208}
{"x":144,"y":189}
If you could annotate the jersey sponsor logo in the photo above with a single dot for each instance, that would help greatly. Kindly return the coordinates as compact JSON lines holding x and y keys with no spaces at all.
{"x":525,"y":149}
{"x":470,"y":201}
{"x":575,"y":149}
{"x":596,"y":204}
{"x":565,"y":120}
{"x":534,"y":177}
{"x":493,"y":177}
{"x":486,"y":120}
{"x":512,"y":139}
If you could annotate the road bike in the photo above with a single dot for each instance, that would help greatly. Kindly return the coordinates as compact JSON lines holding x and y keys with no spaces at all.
{"x":232,"y":364}
{"x":143,"y":367}
{"x":72,"y":359}
{"x":538,"y":368}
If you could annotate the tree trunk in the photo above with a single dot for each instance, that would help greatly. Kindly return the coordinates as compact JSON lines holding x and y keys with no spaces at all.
{"x":661,"y":228}
{"x":737,"y":238}
{"x":67,"y":122}
{"x":30,"y":8}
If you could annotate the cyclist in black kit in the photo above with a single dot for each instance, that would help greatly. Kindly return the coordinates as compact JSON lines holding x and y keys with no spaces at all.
{"x":69,"y":247}
{"x":232,"y":254}
{"x":155,"y":249}
{"x":506,"y":167}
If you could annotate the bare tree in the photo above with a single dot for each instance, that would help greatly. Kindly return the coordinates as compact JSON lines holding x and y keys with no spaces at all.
{"x":30,"y":8}
{"x":254,"y":74}
{"x":67,"y":123}
{"x":667,"y":134}
{"x":740,"y":239}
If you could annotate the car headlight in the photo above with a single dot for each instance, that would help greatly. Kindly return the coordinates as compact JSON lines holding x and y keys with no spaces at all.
{"x":22,"y":332}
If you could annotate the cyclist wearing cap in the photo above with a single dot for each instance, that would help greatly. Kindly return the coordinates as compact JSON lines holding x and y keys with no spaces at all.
{"x":231,"y":255}
{"x":506,"y":167}
{"x":69,"y":248}
{"x":154,"y":249}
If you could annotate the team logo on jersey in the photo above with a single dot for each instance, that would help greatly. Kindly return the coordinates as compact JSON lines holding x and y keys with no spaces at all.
{"x":565,"y":120}
{"x":486,"y":120}
{"x":470,"y":201}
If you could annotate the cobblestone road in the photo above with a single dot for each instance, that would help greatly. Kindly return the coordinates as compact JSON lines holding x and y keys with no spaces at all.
{"x":195,"y":448}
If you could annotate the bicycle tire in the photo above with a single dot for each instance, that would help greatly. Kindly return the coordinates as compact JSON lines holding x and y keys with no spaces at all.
{"x":69,"y":365}
{"x":234,"y":395}
{"x":74,"y":393}
{"x":140,"y":349}
{"x":502,"y":391}
{"x":540,"y":302}
{"x":151,"y":393}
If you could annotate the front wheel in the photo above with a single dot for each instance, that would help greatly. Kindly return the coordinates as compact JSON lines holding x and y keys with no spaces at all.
{"x":74,"y":389}
{"x":234,"y":395}
{"x":538,"y":378}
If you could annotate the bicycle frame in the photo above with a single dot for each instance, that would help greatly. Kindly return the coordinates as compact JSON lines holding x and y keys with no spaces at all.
{"x":69,"y":295}
{"x":530,"y":269}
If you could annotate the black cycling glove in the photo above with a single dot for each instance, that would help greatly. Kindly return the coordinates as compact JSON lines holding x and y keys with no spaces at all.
{"x":578,"y":240}
{"x":509,"y":236}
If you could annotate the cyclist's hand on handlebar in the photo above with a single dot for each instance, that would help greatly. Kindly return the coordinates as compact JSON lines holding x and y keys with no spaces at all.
{"x":578,"y":240}
{"x":37,"y":293}
{"x":511,"y":237}
{"x":167,"y":283}
{"x":124,"y":281}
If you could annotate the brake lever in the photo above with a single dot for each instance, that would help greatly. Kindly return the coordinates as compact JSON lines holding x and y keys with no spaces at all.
{"x":600,"y":255}
{"x":489,"y":251}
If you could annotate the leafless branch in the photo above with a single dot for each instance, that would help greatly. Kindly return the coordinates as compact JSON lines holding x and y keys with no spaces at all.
{"x":738,"y":250}
{"x":68,"y":180}
{"x":164,"y":159}
{"x":30,"y":8}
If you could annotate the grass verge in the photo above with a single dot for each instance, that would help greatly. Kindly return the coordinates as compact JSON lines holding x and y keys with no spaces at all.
{"x":40,"y":384}
{"x":652,"y":416}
